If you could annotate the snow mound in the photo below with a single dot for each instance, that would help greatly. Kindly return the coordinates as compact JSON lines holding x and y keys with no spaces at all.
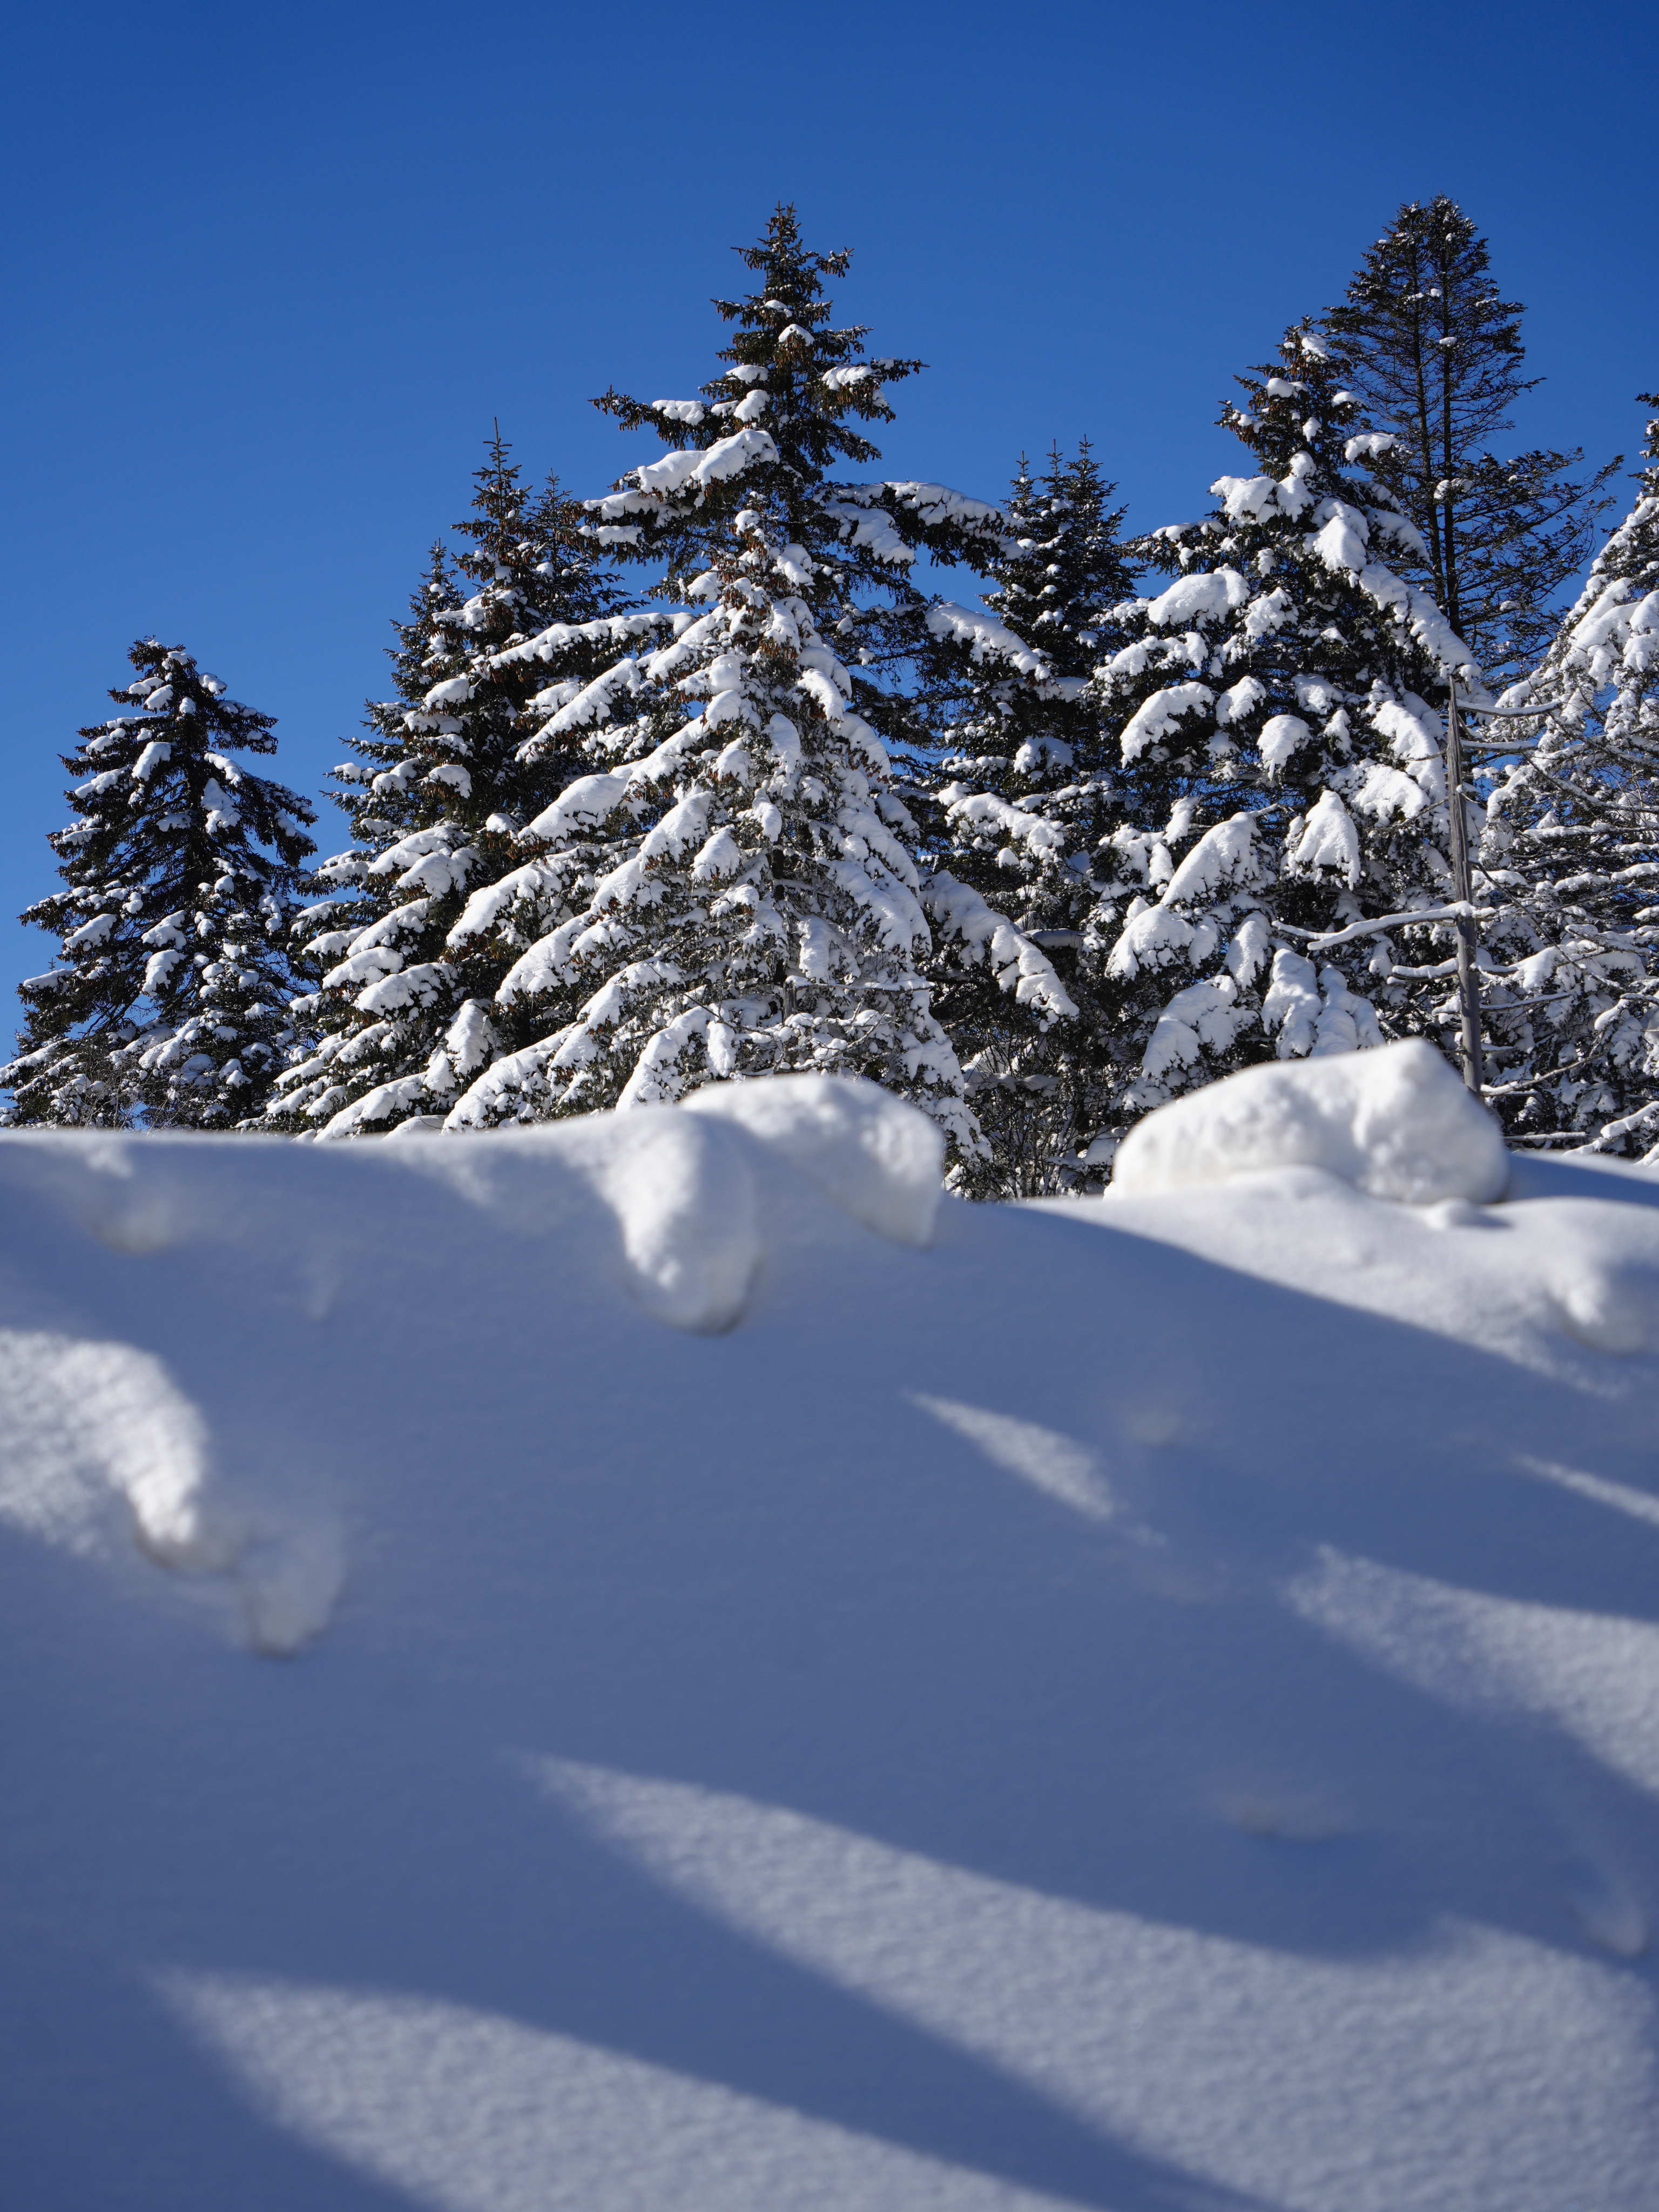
{"x":97,"y":1442}
{"x":102,"y":1454}
{"x":683,"y":1184}
{"x":876,"y":1158}
{"x":684,"y":1200}
{"x":1395,"y":1122}
{"x":680,"y":1194}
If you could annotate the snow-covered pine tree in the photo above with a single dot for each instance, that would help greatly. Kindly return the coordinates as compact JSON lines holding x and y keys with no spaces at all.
{"x":400,"y":1019}
{"x":1433,"y":353}
{"x":1283,"y":772}
{"x":1025,"y":792}
{"x":169,"y":999}
{"x":752,"y":903}
{"x":1572,"y":834}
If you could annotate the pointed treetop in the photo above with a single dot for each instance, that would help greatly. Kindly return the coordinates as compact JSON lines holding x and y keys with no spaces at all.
{"x":177,"y":873}
{"x":800,"y":379}
{"x":1064,"y":565}
{"x":1296,"y":404}
{"x":497,"y":526}
{"x":1429,"y":276}
{"x":1434,"y":353}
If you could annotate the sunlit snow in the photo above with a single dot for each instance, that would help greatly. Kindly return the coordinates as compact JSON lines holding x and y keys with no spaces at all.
{"x":661,"y":1661}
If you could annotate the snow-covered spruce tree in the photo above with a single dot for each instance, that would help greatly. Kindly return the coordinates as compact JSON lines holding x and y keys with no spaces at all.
{"x":1025,"y":792}
{"x":744,"y":900}
{"x":169,"y":1000}
{"x":400,"y":1021}
{"x":1572,"y":834}
{"x":1433,"y":353}
{"x":1282,"y":770}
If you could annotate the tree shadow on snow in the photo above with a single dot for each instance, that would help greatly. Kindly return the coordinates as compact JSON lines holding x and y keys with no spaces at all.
{"x":1065,"y":1669}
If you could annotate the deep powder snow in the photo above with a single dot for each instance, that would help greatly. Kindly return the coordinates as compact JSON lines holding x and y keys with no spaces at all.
{"x":657,"y":1661}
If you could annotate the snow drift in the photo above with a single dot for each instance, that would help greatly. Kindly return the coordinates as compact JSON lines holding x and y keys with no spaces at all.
{"x":657,"y":1661}
{"x":1396,"y":1123}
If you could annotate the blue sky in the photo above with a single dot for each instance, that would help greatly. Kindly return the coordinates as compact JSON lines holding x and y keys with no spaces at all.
{"x":271,"y":273}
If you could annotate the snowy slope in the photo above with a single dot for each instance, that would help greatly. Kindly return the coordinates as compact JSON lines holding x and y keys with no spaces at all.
{"x":631,"y":1666}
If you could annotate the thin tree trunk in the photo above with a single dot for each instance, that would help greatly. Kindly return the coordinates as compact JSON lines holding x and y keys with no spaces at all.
{"x":1468,"y":980}
{"x":1454,"y":612}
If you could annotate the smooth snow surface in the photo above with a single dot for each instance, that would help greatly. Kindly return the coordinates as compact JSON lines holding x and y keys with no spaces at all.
{"x":801,"y":1693}
{"x":1396,"y":1123}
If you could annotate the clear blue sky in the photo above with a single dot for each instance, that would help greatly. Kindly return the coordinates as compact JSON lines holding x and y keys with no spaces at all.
{"x":272,"y":271}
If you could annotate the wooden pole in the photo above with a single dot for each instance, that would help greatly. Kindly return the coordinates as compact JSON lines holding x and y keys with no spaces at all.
{"x":1469,"y":987}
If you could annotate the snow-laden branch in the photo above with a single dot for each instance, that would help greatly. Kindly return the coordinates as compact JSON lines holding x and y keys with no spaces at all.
{"x":1462,"y":911}
{"x":985,"y":637}
{"x":647,"y":490}
{"x":547,"y":644}
{"x":989,"y":938}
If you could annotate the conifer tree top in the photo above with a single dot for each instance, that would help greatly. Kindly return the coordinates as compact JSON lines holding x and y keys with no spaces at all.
{"x":1305,"y":430}
{"x":771,"y":428}
{"x":1428,"y":278}
{"x":1065,"y":567}
{"x":744,"y":900}
{"x":1610,"y":637}
{"x":806,"y":381}
{"x":1434,"y":353}
{"x":177,"y":873}
{"x":499,"y":638}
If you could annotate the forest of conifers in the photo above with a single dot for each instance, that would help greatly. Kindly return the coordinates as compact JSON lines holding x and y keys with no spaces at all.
{"x":701,"y":779}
